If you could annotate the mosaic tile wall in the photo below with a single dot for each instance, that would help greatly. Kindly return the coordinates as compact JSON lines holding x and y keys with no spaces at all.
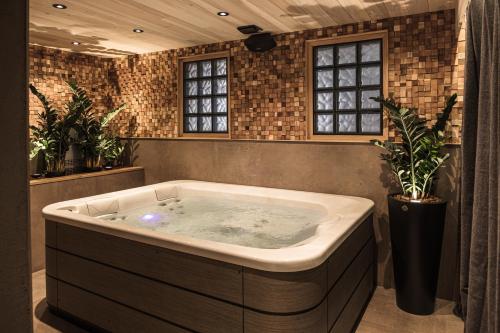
{"x":51,"y":68}
{"x":267,"y":91}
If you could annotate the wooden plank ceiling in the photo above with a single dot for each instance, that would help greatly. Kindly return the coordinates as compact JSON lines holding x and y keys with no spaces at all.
{"x":104,"y":27}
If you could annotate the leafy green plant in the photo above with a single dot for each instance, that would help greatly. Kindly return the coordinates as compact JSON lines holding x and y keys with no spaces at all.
{"x":416,"y":161}
{"x":111,"y":149}
{"x":52,"y":135}
{"x":93,"y":140}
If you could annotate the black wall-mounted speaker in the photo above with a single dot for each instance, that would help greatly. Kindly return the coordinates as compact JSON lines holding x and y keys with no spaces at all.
{"x":260,"y":42}
{"x":249,"y":29}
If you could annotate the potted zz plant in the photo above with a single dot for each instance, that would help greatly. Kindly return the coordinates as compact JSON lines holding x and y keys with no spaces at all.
{"x":52,"y":135}
{"x":416,"y":215}
{"x":93,"y":141}
{"x":111,"y":150}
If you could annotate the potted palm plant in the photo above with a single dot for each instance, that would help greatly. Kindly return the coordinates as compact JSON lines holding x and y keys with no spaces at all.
{"x":52,"y":135}
{"x":416,"y":215}
{"x":91,"y":129}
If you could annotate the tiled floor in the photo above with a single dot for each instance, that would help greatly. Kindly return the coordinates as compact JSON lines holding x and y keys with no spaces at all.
{"x":382,"y":315}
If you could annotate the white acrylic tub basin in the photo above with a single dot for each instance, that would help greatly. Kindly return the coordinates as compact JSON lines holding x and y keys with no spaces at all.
{"x":262,"y":228}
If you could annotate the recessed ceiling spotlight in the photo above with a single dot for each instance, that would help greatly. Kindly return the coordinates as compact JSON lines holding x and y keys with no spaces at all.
{"x":75,"y":43}
{"x":59,"y":6}
{"x":223,"y":13}
{"x":138,"y":30}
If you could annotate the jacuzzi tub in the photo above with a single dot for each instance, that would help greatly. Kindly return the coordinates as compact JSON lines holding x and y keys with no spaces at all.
{"x":207,"y":257}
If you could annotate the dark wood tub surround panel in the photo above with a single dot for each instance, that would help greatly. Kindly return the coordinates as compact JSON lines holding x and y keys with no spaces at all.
{"x":347,"y":283}
{"x":343,"y":277}
{"x":175,"y":305}
{"x":350,"y":316}
{"x":340,"y":259}
{"x":312,"y":321}
{"x":106,"y":315}
{"x":116,"y":284}
{"x":209,"y":277}
{"x":284,"y":292}
{"x":52,"y":288}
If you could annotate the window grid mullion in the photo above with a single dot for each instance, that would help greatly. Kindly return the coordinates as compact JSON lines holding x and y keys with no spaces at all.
{"x":358,"y":87}
{"x":334,"y":90}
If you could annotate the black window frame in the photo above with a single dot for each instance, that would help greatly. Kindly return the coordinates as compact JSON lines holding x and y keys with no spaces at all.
{"x":199,"y":96}
{"x":358,"y":88}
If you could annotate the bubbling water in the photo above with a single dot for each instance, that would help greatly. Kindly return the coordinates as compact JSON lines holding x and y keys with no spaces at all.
{"x":233,"y":221}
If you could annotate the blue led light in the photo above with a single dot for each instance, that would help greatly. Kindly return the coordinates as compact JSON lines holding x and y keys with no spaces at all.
{"x":152,"y":219}
{"x":148,"y":217}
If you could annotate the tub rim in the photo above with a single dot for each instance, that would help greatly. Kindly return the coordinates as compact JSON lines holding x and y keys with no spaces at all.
{"x":309,"y":254}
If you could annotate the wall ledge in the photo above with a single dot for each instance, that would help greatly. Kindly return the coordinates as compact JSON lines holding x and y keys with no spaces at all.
{"x":34,"y":182}
{"x":264,"y":141}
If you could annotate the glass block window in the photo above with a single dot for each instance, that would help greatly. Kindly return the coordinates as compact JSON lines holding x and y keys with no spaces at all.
{"x":346,"y":76}
{"x":205,"y":108}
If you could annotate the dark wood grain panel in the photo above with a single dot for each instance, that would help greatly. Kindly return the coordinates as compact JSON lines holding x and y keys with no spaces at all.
{"x":345,"y":286}
{"x":51,"y":291}
{"x":311,"y":321}
{"x":343,"y":256}
{"x":353,"y":311}
{"x":51,"y":233}
{"x":284,"y":292}
{"x":210,"y":277}
{"x":187,"y":309}
{"x":51,"y":262}
{"x":108,"y":315}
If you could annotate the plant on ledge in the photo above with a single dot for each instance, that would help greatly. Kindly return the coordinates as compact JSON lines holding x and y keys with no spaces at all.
{"x":93,"y":140}
{"x":111,"y":149}
{"x":416,"y":216}
{"x":416,"y":161}
{"x":52,"y":135}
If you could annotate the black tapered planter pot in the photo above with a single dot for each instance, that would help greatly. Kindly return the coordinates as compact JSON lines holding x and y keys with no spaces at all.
{"x":416,"y":237}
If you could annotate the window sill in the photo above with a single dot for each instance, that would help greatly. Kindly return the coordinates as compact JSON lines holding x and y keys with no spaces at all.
{"x":225,"y":136}
{"x":347,"y":138}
